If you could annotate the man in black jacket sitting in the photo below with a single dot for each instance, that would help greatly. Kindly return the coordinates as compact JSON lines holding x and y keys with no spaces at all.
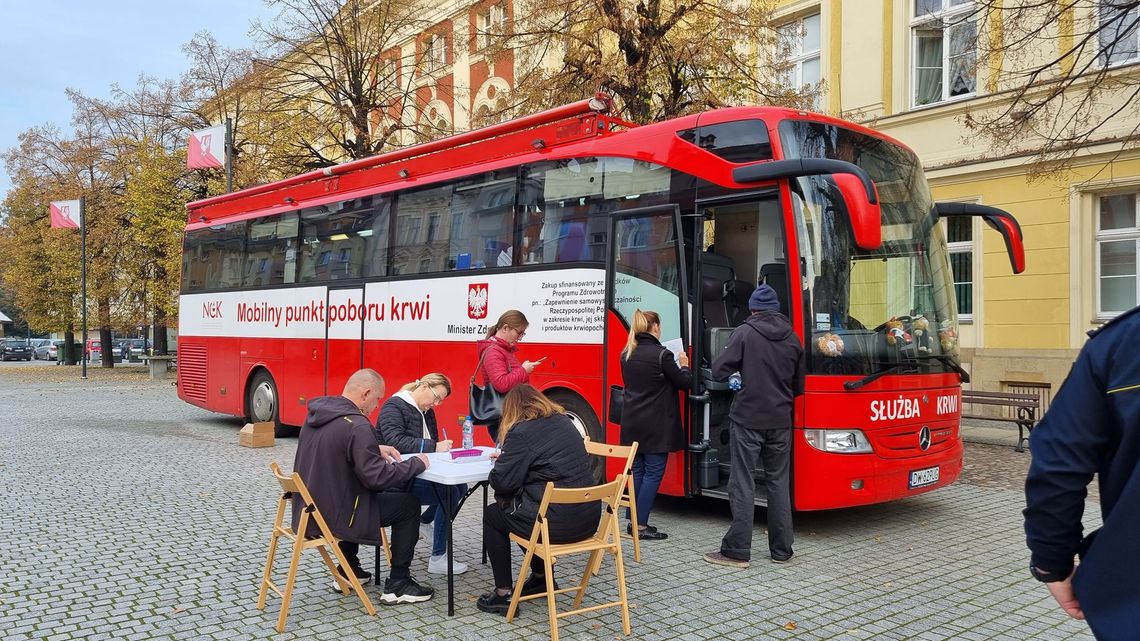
{"x":770,"y":360}
{"x":348,"y":474}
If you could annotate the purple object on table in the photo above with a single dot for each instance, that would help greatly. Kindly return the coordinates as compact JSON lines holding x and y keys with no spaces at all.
{"x":470,"y":452}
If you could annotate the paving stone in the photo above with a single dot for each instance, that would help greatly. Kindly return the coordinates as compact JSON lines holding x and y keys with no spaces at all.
{"x":147,"y":521}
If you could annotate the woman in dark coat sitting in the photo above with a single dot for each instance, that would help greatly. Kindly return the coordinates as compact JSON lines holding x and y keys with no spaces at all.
{"x":408,"y":423}
{"x":539,"y":444}
{"x":651,"y":414}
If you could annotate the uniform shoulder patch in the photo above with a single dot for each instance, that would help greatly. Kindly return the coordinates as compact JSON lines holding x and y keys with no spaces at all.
{"x":1130,"y":314}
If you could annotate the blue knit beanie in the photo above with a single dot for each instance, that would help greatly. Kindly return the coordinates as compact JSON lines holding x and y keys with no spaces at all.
{"x":763,"y":299}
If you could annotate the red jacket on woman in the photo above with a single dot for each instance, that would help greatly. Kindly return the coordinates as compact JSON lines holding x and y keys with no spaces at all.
{"x":501,"y":368}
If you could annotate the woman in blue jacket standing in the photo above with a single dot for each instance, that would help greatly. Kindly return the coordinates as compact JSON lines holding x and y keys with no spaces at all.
{"x":651,"y":414}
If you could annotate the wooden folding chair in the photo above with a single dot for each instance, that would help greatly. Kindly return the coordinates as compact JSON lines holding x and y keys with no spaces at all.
{"x":606,"y":539}
{"x":291,"y":485}
{"x":627,"y":499}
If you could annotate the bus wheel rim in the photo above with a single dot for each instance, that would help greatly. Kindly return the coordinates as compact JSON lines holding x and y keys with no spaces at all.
{"x":263,"y":402}
{"x":579,"y":424}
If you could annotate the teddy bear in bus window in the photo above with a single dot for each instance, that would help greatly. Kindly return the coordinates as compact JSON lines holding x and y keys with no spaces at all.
{"x":896,"y":335}
{"x":920,"y":328}
{"x":830,"y":345}
{"x":948,"y":337}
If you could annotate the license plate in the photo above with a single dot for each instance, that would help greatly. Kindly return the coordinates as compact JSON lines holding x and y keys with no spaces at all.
{"x":921,"y":478}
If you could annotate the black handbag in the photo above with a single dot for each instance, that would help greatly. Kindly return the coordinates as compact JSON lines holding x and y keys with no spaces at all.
{"x":617,"y":400}
{"x":485,"y":404}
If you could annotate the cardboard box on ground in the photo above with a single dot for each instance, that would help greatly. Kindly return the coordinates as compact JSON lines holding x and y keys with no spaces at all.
{"x":256,"y":435}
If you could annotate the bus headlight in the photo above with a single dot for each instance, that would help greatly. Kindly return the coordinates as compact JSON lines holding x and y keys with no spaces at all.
{"x":840,"y":441}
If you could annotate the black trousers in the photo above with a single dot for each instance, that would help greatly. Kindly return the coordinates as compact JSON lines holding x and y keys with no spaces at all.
{"x":401,"y":511}
{"x":496,"y":536}
{"x":747,"y":447}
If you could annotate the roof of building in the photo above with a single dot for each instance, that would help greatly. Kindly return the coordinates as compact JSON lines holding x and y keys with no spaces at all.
{"x":4,"y":319}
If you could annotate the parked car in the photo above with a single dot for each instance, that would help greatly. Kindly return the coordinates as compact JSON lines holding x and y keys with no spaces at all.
{"x":138,"y":348}
{"x":46,"y":352}
{"x":16,"y":349}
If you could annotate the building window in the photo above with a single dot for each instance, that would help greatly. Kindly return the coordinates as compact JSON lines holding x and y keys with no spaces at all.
{"x":960,"y":239}
{"x":1118,"y":32}
{"x":1118,"y":243}
{"x":945,"y":50}
{"x":800,"y":40}
{"x":435,"y":52}
{"x":492,"y":22}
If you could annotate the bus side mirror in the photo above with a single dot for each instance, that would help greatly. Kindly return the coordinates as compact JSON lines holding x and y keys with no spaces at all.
{"x":998,"y":219}
{"x":866,"y":215}
{"x":859,"y":192}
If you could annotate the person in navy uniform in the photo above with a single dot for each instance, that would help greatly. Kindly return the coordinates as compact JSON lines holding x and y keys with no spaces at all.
{"x":1092,"y":427}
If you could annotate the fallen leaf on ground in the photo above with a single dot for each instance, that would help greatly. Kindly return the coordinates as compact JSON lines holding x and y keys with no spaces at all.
{"x":790,"y":625}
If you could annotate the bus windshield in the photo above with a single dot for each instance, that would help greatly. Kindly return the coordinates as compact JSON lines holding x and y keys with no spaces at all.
{"x":891,"y":308}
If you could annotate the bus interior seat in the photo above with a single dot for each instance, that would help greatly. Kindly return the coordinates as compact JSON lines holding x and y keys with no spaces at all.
{"x":718,"y":267}
{"x":737,"y":293}
{"x":716,"y":339}
{"x":572,"y":242}
{"x":713,"y":308}
{"x":775,"y":275}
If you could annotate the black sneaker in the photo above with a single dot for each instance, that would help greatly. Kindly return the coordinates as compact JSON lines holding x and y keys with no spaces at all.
{"x":535,"y":584}
{"x":494,"y":603}
{"x":782,"y":559}
{"x":650,"y":533}
{"x":398,"y":591}
{"x":360,"y":573}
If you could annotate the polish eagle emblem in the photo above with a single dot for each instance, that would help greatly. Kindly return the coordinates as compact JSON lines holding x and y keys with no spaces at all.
{"x":477,"y":300}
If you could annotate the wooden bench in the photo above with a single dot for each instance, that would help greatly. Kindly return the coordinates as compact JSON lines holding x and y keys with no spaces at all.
{"x":1025,"y":406}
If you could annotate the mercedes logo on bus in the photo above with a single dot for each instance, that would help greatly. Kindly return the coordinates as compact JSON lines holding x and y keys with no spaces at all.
{"x":924,"y":438}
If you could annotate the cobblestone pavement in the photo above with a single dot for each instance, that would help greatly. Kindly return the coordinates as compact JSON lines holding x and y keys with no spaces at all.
{"x":128,"y":514}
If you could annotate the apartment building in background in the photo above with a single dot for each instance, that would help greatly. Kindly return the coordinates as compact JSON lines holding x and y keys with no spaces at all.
{"x":915,"y":69}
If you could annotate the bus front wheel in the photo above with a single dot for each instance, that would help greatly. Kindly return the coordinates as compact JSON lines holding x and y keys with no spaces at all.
{"x":262,"y":404}
{"x":586,"y":422}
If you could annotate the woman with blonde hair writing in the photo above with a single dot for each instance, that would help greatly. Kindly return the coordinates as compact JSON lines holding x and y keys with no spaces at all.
{"x":539,"y":444}
{"x":407,"y":422}
{"x":651,"y":414}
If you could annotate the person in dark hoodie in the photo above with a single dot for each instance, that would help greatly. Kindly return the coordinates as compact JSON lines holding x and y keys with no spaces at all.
{"x":347,"y":474}
{"x":770,"y":360}
{"x":539,"y":444}
{"x":501,"y":367}
{"x":651,"y":414}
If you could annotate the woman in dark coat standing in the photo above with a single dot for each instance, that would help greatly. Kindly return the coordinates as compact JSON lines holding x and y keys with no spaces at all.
{"x":651,"y":414}
{"x":539,"y":444}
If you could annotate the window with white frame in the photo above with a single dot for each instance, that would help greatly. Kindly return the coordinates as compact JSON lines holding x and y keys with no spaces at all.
{"x":960,"y":241}
{"x":1118,"y":33}
{"x":1118,"y":243}
{"x":435,"y":52}
{"x":492,"y":22}
{"x":801,"y":39}
{"x":945,"y":50}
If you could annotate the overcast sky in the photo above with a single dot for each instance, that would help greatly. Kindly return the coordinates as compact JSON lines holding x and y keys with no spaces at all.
{"x":48,"y":46}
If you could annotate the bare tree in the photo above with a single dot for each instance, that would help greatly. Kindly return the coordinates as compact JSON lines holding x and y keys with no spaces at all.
{"x":335,"y":73}
{"x":1055,"y":75}
{"x":658,"y":59}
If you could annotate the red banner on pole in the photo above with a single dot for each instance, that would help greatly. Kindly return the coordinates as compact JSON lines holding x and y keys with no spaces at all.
{"x":65,"y":214}
{"x":207,"y":148}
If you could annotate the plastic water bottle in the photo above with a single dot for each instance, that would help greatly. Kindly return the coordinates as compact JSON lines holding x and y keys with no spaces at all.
{"x":734,"y":382}
{"x":468,"y":433}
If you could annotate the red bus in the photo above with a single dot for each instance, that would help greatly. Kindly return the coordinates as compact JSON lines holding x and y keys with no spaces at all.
{"x":400,"y":261}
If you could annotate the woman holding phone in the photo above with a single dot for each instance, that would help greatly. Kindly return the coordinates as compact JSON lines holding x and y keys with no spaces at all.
{"x":651,"y":413}
{"x":501,"y":367}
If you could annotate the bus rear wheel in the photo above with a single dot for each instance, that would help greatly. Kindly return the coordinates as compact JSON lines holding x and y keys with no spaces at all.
{"x":262,"y":404}
{"x":587,"y":424}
